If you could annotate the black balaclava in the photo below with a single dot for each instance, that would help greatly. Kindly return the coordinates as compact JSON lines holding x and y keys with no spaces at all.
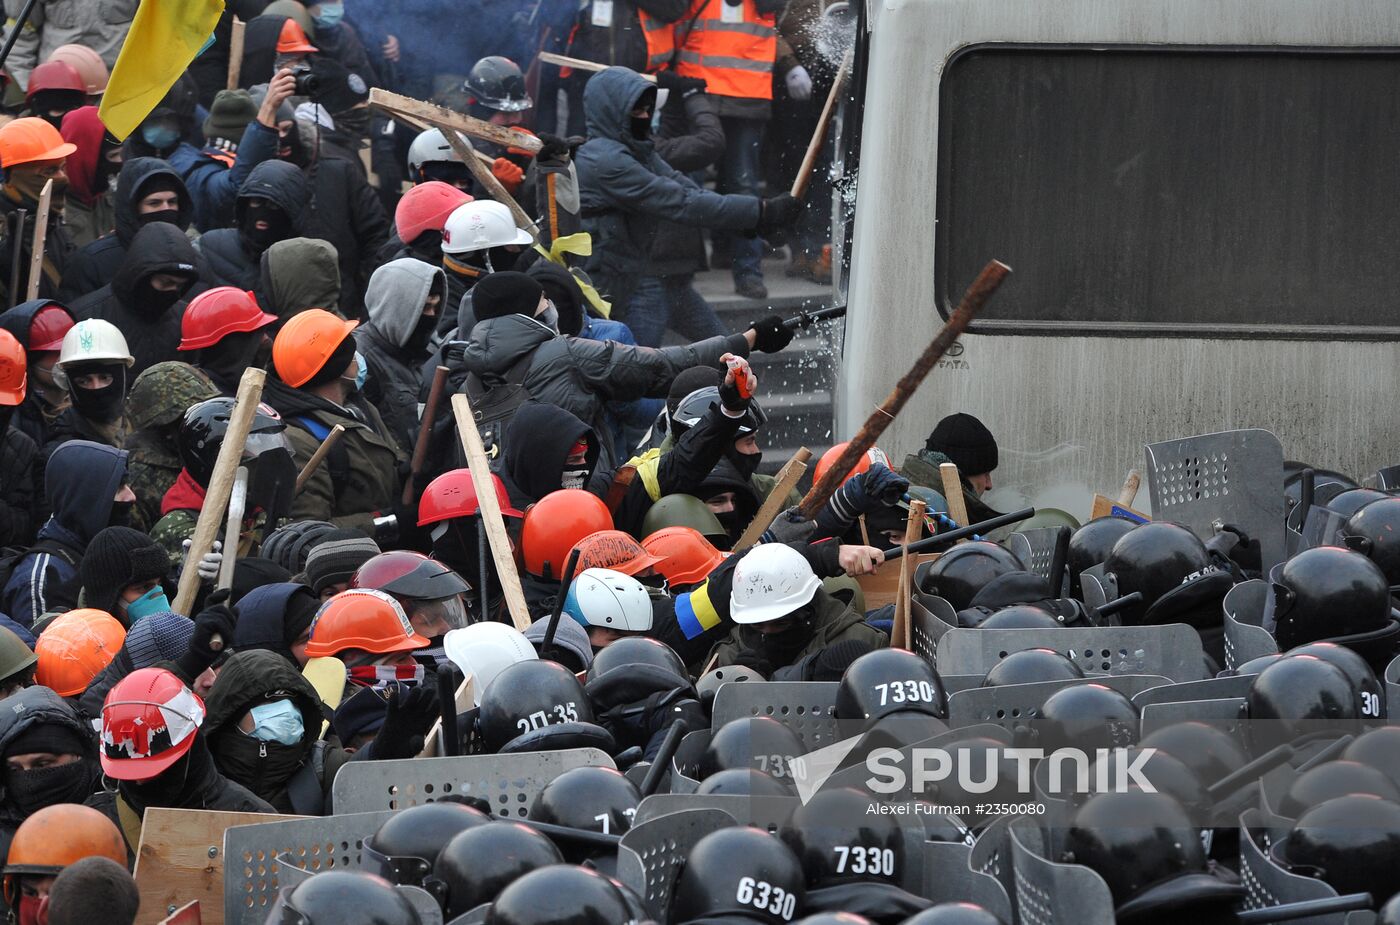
{"x":105,"y":404}
{"x":159,"y":183}
{"x":53,"y":105}
{"x":153,"y":303}
{"x":353,"y":123}
{"x":121,"y":514}
{"x":32,"y":790}
{"x":641,"y":128}
{"x":292,"y":148}
{"x":781,"y":649}
{"x":417,"y":343}
{"x":256,"y":209}
{"x":226,"y":360}
{"x":746,"y":463}
{"x":178,"y":786}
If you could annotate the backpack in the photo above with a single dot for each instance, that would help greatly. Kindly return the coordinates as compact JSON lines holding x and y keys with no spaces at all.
{"x":493,"y":406}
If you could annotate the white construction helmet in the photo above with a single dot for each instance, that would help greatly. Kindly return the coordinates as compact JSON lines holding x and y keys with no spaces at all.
{"x":429,"y":147}
{"x":770,"y":582}
{"x":91,"y":341}
{"x":611,"y":600}
{"x":484,"y":650}
{"x":480,"y":224}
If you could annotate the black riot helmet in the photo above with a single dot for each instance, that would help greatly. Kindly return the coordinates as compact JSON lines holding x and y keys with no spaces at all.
{"x":953,"y":914}
{"x":1327,"y":593}
{"x":1165,"y":773}
{"x":1333,"y":779}
{"x":635,"y":651}
{"x":497,"y":83}
{"x":1374,"y":531}
{"x":695,"y":405}
{"x":1379,"y":748}
{"x":745,"y":782}
{"x":1020,"y":617}
{"x":837,"y":840}
{"x":1154,"y":559}
{"x":538,"y":693}
{"x":1389,"y":913}
{"x":1297,"y":696}
{"x":835,"y":918}
{"x":890,"y":681}
{"x":1090,"y":545}
{"x":560,"y":895}
{"x":202,"y":434}
{"x":958,"y":574}
{"x":1087,"y":716}
{"x":740,"y":871}
{"x":1030,"y":666}
{"x":758,"y":742}
{"x":405,"y":846}
{"x":336,"y":897}
{"x":477,"y":864}
{"x":1358,"y":672}
{"x":1347,"y":503}
{"x":593,"y":799}
{"x":1209,"y":751}
{"x":1352,"y":843}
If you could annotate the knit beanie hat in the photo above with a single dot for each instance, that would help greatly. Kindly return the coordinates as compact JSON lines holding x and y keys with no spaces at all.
{"x":301,"y":611}
{"x":334,"y":367}
{"x":338,"y":88}
{"x":117,"y":557}
{"x":254,"y":572}
{"x":691,"y":380}
{"x":337,"y":557}
{"x":230,"y":114}
{"x":54,"y":738}
{"x":966,"y":441}
{"x":506,"y":293}
{"x":161,"y":637}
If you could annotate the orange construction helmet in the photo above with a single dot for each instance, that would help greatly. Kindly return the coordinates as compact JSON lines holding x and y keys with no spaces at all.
{"x":554,"y":524}
{"x":47,"y":328}
{"x":613,"y":549}
{"x":872,"y":456}
{"x":149,"y":721}
{"x":88,"y":63}
{"x":306,"y":342}
{"x":362,"y":618}
{"x":57,"y":836}
{"x":293,"y":39}
{"x":425,"y":208}
{"x":685,"y":556}
{"x":453,"y":494}
{"x":74,"y":649}
{"x":214,"y":314}
{"x":26,"y":140}
{"x":14,"y":369}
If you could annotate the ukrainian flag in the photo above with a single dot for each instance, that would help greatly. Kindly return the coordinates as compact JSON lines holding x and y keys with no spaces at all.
{"x":165,"y":37}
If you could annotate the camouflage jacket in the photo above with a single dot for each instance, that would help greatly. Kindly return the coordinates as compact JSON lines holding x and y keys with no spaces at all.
{"x":151,"y":469}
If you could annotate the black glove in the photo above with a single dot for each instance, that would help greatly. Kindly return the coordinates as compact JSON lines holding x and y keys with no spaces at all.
{"x":748,"y":658}
{"x":730,"y":398}
{"x":409,"y":715}
{"x":777,"y":212}
{"x":555,"y":151}
{"x":213,"y":633}
{"x":681,"y":86}
{"x":773,"y":335}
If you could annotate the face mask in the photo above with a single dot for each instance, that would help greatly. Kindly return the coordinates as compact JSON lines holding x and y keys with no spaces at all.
{"x":105,"y":404}
{"x":353,"y":122}
{"x":153,"y":601}
{"x":573,"y":478}
{"x":279,"y":226}
{"x":29,"y":185}
{"x":160,"y":136}
{"x":361,"y":372}
{"x":154,"y":302}
{"x":746,"y":463}
{"x":641,"y":127}
{"x":279,"y":721}
{"x":121,"y":514}
{"x":417,"y":342}
{"x":31,"y":791}
{"x":549,"y":317}
{"x":170,"y":216}
{"x":330,"y":16}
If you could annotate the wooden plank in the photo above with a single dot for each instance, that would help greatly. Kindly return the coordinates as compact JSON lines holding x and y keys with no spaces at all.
{"x":1107,"y":507}
{"x":480,"y":169}
{"x":235,"y":53}
{"x":953,"y":493}
{"x":188,"y":914}
{"x":913,"y":530}
{"x":322,"y":451}
{"x":580,"y":64}
{"x":818,"y":139}
{"x":445,"y":118}
{"x":41,"y":233}
{"x":1128,"y":494}
{"x":883,"y":587}
{"x":773,"y":505}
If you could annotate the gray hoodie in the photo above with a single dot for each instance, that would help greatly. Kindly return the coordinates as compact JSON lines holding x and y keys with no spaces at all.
{"x":394,"y":300}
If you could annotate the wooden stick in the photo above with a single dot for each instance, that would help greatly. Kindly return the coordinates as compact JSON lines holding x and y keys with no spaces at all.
{"x":814,"y":146}
{"x":425,"y":433}
{"x":211,"y":515}
{"x":481,"y":172}
{"x":41,"y":233}
{"x":773,"y":505}
{"x":864,"y":530}
{"x":235,"y":53}
{"x":913,"y":529}
{"x":421,"y":126}
{"x":1128,"y":494}
{"x":491,"y":512}
{"x":953,"y":493}
{"x":237,"y":503}
{"x":972,"y":301}
{"x":580,"y":64}
{"x":314,"y":463}
{"x":445,"y":118}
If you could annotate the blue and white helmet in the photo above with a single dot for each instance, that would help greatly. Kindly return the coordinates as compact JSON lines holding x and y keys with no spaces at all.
{"x":611,"y":600}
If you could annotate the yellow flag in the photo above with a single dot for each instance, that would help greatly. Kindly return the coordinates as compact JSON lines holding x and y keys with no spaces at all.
{"x":165,"y":36}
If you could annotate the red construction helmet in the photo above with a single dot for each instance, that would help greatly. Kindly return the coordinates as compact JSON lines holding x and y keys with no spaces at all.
{"x":14,"y":369}
{"x":686,"y":556}
{"x":613,"y":549}
{"x":55,"y":75}
{"x":872,"y":456}
{"x":425,"y":208}
{"x":47,"y":328}
{"x":293,"y":39}
{"x":218,"y":312}
{"x":453,"y":494}
{"x":149,"y":721}
{"x":555,"y":523}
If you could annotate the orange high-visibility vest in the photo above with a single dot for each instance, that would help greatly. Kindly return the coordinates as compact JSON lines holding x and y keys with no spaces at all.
{"x":661,"y":40}
{"x":732,"y":48}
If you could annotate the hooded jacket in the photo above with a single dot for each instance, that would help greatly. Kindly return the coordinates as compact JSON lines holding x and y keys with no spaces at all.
{"x":157,"y":248}
{"x":832,"y":621}
{"x":691,"y":138}
{"x":538,"y":442}
{"x":231,"y":261}
{"x":262,"y":618}
{"x":626,"y":188}
{"x":297,"y":274}
{"x":214,"y":183}
{"x":30,"y":416}
{"x":18,"y":455}
{"x":581,"y":375}
{"x":81,"y":483}
{"x":394,"y":301}
{"x":95,"y":265}
{"x":89,"y":213}
{"x":345,"y":210}
{"x":33,"y":706}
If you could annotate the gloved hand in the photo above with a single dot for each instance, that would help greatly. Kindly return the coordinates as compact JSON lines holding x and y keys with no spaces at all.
{"x":208,"y":567}
{"x":510,"y":175}
{"x":799,"y":83}
{"x":678,"y":85}
{"x":555,"y":151}
{"x":736,"y":392}
{"x":751,"y":659}
{"x":871,"y":490}
{"x":790,"y":527}
{"x":777,"y":212}
{"x":213,"y":633}
{"x":770,"y":334}
{"x":408,"y":716}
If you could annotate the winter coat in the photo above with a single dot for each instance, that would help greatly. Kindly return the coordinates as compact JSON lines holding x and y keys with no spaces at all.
{"x":29,"y":417}
{"x":580,"y":375}
{"x":626,"y":187}
{"x":214,"y":182}
{"x":89,"y":212}
{"x":345,"y":211}
{"x":262,"y":618}
{"x":58,"y":247}
{"x":359,"y":479}
{"x":18,"y":456}
{"x":621,"y":41}
{"x":691,"y":139}
{"x":297,"y":274}
{"x":30,"y":707}
{"x":97,"y":264}
{"x":153,"y":467}
{"x":100,"y":26}
{"x":394,"y":301}
{"x":81,"y":482}
{"x":230,"y":260}
{"x":833,"y":622}
{"x":157,"y":248}
{"x":538,"y":440}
